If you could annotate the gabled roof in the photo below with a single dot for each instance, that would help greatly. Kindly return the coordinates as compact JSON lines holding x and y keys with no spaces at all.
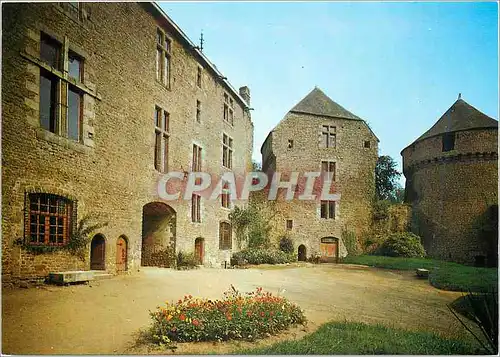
{"x":460,"y":116}
{"x":156,"y":9}
{"x":318,"y":103}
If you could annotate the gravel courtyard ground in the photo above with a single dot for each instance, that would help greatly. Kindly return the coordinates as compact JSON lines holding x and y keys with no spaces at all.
{"x":105,"y":316}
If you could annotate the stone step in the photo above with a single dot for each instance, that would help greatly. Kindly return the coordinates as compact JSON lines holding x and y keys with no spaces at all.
{"x":101,"y":275}
{"x":66,"y":277}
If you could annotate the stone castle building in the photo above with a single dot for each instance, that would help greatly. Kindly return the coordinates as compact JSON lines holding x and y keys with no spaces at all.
{"x":99,"y":99}
{"x":452,"y":184}
{"x":318,"y":135}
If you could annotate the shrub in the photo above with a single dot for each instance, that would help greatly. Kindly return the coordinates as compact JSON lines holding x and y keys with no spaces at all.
{"x":482,"y":310}
{"x":402,"y":244}
{"x":381,"y":210}
{"x":257,"y":238}
{"x":250,"y":316}
{"x":314,"y":258}
{"x":350,"y":242}
{"x":262,"y":256}
{"x":186,"y":261}
{"x":286,"y":245}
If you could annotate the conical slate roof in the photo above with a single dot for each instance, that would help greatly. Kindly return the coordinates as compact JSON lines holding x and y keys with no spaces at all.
{"x":318,"y":103}
{"x":461,"y":116}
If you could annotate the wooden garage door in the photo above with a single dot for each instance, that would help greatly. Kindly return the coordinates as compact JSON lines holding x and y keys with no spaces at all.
{"x":329,"y":249}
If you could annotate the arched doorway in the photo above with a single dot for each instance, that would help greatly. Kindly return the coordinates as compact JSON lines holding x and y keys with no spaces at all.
{"x":98,"y":253}
{"x":329,"y":248}
{"x":199,"y":249}
{"x":121,"y":254}
{"x":302,"y":253}
{"x":158,"y":234}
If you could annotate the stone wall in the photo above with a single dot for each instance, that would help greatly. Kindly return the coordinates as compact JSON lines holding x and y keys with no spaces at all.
{"x":449,"y":191}
{"x":355,"y":177}
{"x":110,"y":172}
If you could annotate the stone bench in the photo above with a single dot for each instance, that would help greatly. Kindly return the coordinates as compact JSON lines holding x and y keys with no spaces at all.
{"x":66,"y":277}
{"x":422,"y":273}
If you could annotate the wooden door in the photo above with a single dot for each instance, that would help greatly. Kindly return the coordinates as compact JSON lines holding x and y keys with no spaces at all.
{"x":329,"y":249}
{"x":97,"y":253}
{"x":302,"y":255}
{"x":121,"y":255}
{"x":198,"y":249}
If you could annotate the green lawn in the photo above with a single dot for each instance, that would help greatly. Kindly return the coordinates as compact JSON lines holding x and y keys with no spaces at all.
{"x":358,"y":338}
{"x":443,"y":275}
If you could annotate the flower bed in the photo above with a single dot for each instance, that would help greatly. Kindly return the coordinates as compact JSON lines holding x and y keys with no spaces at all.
{"x":236,"y":316}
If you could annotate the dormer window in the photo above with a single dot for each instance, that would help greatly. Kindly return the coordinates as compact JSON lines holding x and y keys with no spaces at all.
{"x":448,"y":141}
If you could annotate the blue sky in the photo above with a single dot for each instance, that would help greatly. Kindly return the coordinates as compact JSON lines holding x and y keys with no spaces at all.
{"x":399,"y":66}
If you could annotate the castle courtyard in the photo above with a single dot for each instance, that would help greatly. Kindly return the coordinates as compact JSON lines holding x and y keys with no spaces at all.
{"x":105,"y":316}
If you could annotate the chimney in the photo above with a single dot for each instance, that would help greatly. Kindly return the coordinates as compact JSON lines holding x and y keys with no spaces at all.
{"x":245,"y":94}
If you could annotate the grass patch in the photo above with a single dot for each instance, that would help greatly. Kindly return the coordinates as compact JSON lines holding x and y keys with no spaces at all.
{"x":443,"y":275}
{"x":359,"y":338}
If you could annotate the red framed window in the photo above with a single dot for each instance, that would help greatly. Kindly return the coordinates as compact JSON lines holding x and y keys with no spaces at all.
{"x":49,"y":219}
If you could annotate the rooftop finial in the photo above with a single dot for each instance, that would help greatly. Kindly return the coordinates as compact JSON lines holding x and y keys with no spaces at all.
{"x":459,"y":95}
{"x":201,"y":41}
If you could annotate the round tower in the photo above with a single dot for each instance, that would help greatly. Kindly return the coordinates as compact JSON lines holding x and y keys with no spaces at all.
{"x":452,"y":184}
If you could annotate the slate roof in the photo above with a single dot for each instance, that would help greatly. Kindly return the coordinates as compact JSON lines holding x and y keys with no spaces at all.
{"x":318,"y":103}
{"x":460,"y":116}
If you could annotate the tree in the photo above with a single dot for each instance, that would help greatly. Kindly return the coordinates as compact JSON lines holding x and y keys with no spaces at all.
{"x":256,"y":166}
{"x":386,"y":178}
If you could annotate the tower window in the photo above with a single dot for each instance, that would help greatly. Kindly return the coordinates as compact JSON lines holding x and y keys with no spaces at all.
{"x":448,"y":141}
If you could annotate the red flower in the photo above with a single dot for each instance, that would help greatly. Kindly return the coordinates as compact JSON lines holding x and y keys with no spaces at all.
{"x":190,"y":296}
{"x":228,"y":317}
{"x":262,"y":313}
{"x":196,"y":322}
{"x":182,"y":317}
{"x":271,"y":313}
{"x":249,"y":313}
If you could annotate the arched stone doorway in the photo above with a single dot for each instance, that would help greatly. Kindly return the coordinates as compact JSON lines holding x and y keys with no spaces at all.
{"x":121,"y":254}
{"x":98,"y":253}
{"x":329,"y":249}
{"x":302,"y":253}
{"x":158,"y":234}
{"x":199,"y":249}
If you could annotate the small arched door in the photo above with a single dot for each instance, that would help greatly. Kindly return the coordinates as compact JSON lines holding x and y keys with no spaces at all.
{"x":98,"y":253}
{"x":121,"y":254}
{"x":199,"y":249}
{"x":302,"y":253}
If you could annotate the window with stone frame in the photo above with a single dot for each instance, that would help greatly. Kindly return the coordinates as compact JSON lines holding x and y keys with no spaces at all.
{"x":289,"y":224}
{"x":163,"y":56}
{"x":448,"y":142}
{"x":228,"y":109}
{"x":199,"y":76}
{"x":329,"y":170}
{"x":72,"y":8}
{"x":227,"y":151}
{"x":226,"y":196}
{"x":49,"y":219}
{"x":196,"y":158}
{"x":225,"y":236}
{"x":328,"y":209}
{"x":61,"y":99}
{"x":198,"y":111}
{"x":328,"y":136}
{"x":196,"y":208}
{"x":162,"y":135}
